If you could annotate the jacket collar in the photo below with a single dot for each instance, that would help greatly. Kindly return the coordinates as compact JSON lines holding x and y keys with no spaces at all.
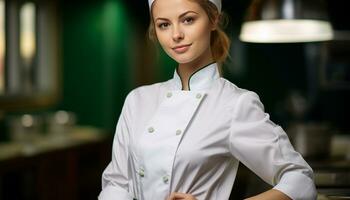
{"x":200,"y":80}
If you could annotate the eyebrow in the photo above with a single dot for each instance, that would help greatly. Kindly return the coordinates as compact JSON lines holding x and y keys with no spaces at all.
{"x":183,"y":14}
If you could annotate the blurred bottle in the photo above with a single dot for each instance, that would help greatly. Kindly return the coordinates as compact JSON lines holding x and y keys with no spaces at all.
{"x":25,"y":129}
{"x":60,"y":124}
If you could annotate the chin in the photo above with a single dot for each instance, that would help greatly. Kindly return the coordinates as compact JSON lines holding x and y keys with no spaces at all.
{"x":183,"y":59}
{"x":187,"y":57}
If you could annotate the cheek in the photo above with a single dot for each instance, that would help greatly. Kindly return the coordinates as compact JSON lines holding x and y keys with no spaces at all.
{"x":162,"y":37}
{"x":163,"y":40}
{"x":200,"y":30}
{"x":202,"y":35}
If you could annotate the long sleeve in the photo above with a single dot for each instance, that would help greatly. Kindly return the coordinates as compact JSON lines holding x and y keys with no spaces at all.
{"x":265,"y":149}
{"x":115,"y":180}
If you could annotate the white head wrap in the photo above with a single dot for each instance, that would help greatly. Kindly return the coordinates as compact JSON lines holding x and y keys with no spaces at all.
{"x":216,"y":2}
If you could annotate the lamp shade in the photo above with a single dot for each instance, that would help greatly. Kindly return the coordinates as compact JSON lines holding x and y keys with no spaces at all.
{"x":286,"y":21}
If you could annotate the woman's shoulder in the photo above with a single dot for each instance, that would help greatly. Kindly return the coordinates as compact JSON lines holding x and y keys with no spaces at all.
{"x":145,"y":91}
{"x":233,"y":91}
{"x":243,"y":101}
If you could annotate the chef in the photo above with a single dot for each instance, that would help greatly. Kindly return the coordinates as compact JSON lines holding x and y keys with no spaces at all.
{"x":184,"y":138}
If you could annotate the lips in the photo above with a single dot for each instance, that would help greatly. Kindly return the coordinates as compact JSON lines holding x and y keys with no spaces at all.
{"x":181,"y":48}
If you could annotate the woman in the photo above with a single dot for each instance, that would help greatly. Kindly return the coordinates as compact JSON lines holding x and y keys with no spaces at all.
{"x":183,"y":138}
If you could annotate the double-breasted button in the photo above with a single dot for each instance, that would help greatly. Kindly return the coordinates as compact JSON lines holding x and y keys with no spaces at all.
{"x":166,"y":178}
{"x":150,"y":129}
{"x":141,"y":172}
{"x":178,"y":132}
{"x":169,"y":94}
{"x":199,"y":95}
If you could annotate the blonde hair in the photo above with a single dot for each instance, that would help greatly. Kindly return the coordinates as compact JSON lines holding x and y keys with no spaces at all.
{"x":219,"y":41}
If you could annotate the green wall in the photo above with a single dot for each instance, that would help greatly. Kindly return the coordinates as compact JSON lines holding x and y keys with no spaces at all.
{"x":96,"y":73}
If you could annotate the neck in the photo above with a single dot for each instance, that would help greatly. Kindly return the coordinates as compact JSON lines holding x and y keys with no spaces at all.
{"x":185,"y":70}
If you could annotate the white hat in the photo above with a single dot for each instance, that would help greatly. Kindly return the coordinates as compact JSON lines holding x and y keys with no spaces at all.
{"x":216,"y":2}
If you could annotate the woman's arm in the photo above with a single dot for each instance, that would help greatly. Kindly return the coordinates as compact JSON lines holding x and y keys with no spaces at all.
{"x":265,"y":149}
{"x":115,"y":180}
{"x":270,"y":195}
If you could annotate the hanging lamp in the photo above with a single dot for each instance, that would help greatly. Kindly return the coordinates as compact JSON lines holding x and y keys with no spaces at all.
{"x":286,"y":21}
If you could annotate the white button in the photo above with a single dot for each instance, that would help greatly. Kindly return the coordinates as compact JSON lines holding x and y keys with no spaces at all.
{"x":169,"y":94}
{"x":166,"y":179}
{"x":150,"y":129}
{"x":178,"y":132}
{"x":142,"y":172}
{"x":198,"y":96}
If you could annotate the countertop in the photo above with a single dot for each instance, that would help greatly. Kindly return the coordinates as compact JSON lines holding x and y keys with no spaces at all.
{"x":332,"y":175}
{"x":43,"y":143}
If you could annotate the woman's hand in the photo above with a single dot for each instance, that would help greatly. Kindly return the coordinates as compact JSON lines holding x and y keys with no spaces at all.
{"x":270,"y":195}
{"x":181,"y":196}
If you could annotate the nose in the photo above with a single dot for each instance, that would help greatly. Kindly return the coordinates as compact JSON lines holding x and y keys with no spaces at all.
{"x":178,"y":34}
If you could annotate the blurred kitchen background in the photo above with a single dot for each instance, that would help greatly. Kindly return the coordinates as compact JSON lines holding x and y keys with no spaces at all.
{"x":66,"y":67}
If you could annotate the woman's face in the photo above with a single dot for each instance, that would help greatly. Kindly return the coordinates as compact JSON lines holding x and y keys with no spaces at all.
{"x":183,"y":29}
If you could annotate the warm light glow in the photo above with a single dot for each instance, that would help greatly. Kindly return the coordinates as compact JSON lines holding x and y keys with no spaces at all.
{"x":286,"y":31}
{"x":27,"y":34}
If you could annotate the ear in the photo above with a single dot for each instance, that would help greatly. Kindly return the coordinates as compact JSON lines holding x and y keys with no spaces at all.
{"x":215,"y":23}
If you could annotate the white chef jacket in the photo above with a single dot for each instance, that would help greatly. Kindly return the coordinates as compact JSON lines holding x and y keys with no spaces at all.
{"x":171,"y":140}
